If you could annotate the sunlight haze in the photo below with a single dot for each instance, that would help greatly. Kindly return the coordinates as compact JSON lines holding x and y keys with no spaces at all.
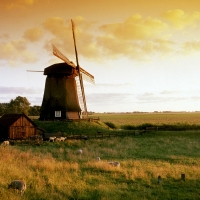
{"x":144,"y":55}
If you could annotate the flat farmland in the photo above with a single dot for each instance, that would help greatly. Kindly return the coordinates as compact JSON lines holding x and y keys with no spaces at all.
{"x":151,"y":118}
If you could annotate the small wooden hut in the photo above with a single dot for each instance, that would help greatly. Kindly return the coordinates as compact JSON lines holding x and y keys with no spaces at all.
{"x":17,"y":127}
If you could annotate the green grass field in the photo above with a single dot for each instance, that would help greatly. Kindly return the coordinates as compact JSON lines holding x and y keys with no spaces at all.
{"x":55,"y":170}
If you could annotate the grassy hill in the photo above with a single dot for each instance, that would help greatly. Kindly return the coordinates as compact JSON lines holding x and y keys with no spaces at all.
{"x":74,"y":127}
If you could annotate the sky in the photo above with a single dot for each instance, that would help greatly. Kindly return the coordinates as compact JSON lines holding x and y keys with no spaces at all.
{"x":144,"y":54}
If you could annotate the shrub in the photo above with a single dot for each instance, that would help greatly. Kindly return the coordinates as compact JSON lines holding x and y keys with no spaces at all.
{"x":111,"y":125}
{"x":128,"y":127}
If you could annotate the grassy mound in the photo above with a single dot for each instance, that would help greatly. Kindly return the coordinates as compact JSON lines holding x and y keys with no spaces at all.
{"x":72,"y":127}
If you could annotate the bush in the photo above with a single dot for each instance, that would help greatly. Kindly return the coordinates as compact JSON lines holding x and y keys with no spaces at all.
{"x":128,"y":127}
{"x":111,"y":125}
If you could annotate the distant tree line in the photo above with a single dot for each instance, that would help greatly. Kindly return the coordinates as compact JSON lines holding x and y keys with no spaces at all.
{"x":19,"y":105}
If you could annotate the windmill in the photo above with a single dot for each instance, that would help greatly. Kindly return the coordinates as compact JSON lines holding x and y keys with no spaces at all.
{"x":64,"y":96}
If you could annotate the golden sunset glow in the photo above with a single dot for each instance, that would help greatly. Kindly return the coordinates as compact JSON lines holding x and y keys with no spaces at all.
{"x":144,"y":54}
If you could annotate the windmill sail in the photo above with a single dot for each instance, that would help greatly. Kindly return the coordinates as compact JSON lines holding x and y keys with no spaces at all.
{"x":79,"y":72}
{"x":57,"y":53}
{"x":87,"y":76}
{"x":79,"y":93}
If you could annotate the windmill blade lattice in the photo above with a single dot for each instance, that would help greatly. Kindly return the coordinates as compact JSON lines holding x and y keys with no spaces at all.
{"x":57,"y":53}
{"x":87,"y":76}
{"x":79,"y":92}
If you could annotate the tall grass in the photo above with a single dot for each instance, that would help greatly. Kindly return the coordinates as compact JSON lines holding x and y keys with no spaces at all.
{"x":56,"y":171}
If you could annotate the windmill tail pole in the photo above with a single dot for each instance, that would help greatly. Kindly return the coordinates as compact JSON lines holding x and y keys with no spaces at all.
{"x":80,"y":75}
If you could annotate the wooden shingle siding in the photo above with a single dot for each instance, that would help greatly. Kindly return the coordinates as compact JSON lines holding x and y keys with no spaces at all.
{"x":21,"y":129}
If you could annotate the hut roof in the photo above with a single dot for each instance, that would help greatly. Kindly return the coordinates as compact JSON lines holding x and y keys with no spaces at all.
{"x":8,"y":119}
{"x":59,"y":69}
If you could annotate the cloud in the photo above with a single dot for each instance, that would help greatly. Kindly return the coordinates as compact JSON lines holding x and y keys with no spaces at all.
{"x":159,"y":45}
{"x":4,"y":36}
{"x":195,"y":98}
{"x":105,"y":99}
{"x":114,"y":88}
{"x":111,"y":102}
{"x":179,"y":19}
{"x":167,"y":92}
{"x":32,"y":94}
{"x":135,"y":38}
{"x":61,"y":32}
{"x":166,"y":96}
{"x":138,"y":50}
{"x":16,"y":4}
{"x":191,"y":47}
{"x":135,"y":28}
{"x":17,"y":90}
{"x":112,"y":85}
{"x":29,"y":2}
{"x":142,"y":39}
{"x":56,"y":26}
{"x":33,"y":34}
{"x":63,"y":39}
{"x":16,"y":51}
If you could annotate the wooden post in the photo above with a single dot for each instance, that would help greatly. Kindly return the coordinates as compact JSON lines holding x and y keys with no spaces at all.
{"x":159,"y":179}
{"x":183,"y":177}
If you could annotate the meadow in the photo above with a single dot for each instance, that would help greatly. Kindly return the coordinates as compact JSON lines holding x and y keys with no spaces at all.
{"x":150,"y":118}
{"x":56,"y":171}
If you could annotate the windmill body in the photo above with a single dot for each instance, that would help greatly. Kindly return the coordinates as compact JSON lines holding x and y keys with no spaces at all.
{"x":60,"y":99}
{"x":64,"y":96}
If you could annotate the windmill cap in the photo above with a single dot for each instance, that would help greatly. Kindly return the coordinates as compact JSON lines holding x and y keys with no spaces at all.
{"x":60,"y":69}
